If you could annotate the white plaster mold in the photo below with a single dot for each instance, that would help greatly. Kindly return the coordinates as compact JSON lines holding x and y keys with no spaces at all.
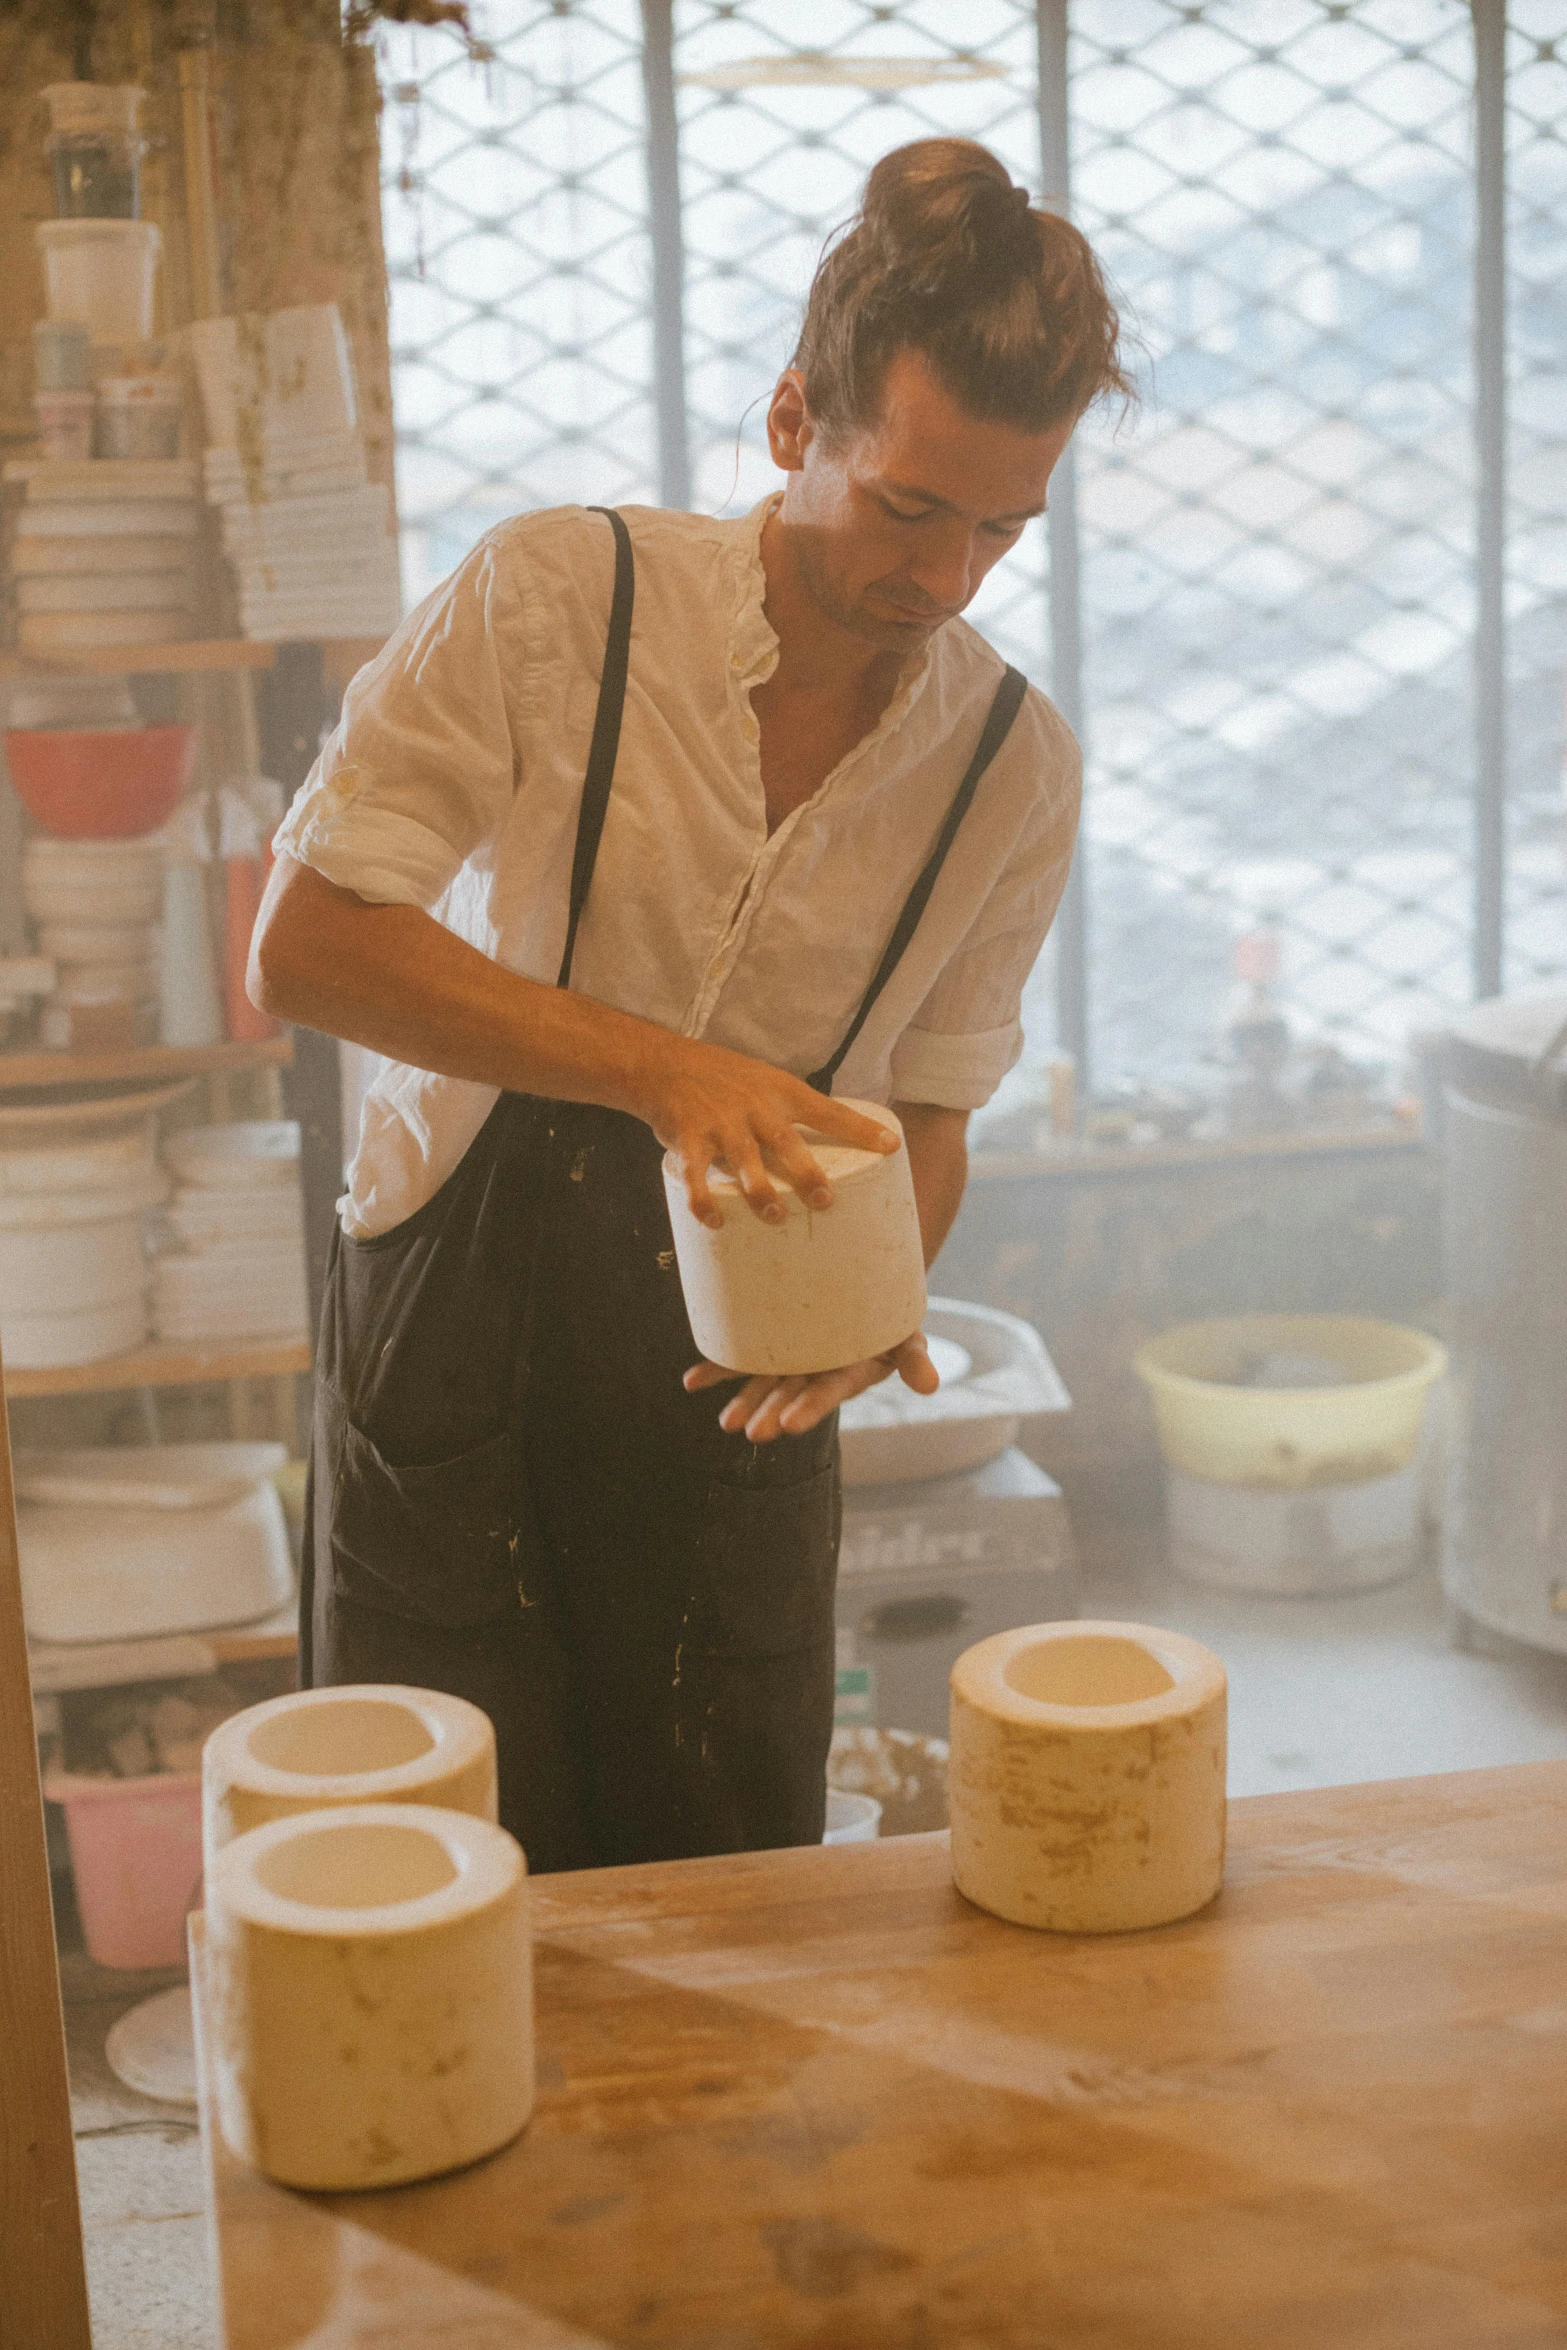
{"x":370,"y":1994}
{"x":363,"y":1743}
{"x":1087,"y":1776}
{"x":820,"y":1288}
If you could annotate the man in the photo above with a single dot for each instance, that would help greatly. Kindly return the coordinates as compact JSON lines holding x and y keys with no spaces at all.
{"x":770,"y":818}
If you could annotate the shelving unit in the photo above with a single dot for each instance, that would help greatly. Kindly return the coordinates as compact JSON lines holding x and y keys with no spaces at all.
{"x":147,"y":1063}
{"x":55,"y":1666}
{"x":190,"y":654}
{"x":163,"y":1365}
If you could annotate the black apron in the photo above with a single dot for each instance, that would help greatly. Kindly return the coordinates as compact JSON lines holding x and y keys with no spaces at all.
{"x":514,"y":1499}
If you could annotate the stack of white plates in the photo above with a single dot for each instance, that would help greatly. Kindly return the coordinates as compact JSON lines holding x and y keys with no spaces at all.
{"x":96,"y":905}
{"x":238,"y":1220}
{"x":75,"y":1182}
{"x":309,"y":537}
{"x":103,"y":550}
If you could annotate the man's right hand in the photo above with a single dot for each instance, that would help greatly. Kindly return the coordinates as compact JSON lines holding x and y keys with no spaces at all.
{"x":707,"y":1105}
{"x":390,"y":977}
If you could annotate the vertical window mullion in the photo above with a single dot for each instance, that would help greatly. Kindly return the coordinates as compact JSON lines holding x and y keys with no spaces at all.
{"x":1490,"y":429}
{"x":663,"y":191}
{"x":1066,"y":640}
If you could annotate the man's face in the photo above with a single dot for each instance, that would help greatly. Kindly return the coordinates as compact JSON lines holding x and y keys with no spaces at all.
{"x":894,"y":526}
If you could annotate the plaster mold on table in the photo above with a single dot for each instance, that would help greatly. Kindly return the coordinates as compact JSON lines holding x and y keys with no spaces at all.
{"x":372,"y":1994}
{"x":820,"y":1287}
{"x":362,"y":1743}
{"x":1087,"y":1778}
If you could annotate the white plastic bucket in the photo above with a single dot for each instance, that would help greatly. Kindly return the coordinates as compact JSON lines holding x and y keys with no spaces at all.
{"x":852,"y":1819}
{"x":101,"y":273}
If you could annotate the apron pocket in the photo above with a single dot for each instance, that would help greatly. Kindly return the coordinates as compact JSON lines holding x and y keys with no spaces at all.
{"x":766,"y":1565}
{"x":437,"y":1543}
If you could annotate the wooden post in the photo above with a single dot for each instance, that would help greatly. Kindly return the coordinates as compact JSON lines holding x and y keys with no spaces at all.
{"x":43,"y":2281}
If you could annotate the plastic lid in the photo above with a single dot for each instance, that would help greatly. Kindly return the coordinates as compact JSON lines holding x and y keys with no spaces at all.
{"x":88,"y":232}
{"x":92,"y":106}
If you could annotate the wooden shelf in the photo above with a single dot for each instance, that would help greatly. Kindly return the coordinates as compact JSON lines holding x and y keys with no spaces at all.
{"x":150,"y":1061}
{"x":343,"y":655}
{"x":191,"y":653}
{"x":58,"y":1665}
{"x":161,"y":1365}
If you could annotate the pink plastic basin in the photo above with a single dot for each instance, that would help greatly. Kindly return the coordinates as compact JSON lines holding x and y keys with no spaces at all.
{"x":109,"y":783}
{"x":136,"y":1857}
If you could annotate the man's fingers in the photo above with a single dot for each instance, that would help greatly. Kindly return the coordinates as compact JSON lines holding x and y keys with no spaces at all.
{"x":824,"y":1394}
{"x":694,"y":1166}
{"x":851,"y":1126}
{"x":751,"y":1405}
{"x":706,"y":1374}
{"x":796,"y":1160}
{"x":745,"y":1162}
{"x":767,"y":1418}
{"x":914,"y":1367}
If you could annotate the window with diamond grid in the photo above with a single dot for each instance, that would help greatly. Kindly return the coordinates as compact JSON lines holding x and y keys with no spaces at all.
{"x":1277,"y":552}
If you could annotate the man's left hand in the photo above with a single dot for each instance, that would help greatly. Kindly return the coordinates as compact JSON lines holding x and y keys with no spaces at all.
{"x":771,"y":1405}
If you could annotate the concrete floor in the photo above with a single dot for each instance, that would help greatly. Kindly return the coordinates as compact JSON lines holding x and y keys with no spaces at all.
{"x":1326,"y":1692}
{"x":1321,"y":1692}
{"x":138,"y":2167}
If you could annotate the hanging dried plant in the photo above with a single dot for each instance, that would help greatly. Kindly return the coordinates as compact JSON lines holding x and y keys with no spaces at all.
{"x":361,"y":17}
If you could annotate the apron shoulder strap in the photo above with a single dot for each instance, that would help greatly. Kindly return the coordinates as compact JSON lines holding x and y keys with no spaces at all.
{"x":606,"y":735}
{"x":998,"y":725}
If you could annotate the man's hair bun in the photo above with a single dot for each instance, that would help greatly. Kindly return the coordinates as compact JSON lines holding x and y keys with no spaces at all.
{"x":946,"y":258}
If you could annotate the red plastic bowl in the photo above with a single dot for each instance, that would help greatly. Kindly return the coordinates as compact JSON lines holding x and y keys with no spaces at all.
{"x":109,"y":784}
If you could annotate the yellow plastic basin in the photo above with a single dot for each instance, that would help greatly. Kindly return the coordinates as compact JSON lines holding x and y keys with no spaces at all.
{"x":1212,"y":1426}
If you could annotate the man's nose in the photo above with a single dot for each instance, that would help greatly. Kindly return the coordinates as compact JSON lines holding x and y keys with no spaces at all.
{"x":943,"y":569}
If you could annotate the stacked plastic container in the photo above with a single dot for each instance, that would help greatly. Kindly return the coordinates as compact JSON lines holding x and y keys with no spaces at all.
{"x":106,"y":535}
{"x":236,"y":1265}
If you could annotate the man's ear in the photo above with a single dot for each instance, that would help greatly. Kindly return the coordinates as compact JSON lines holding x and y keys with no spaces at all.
{"x":790,"y":430}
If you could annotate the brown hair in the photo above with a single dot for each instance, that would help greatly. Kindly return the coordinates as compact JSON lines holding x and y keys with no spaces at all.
{"x":945,"y":258}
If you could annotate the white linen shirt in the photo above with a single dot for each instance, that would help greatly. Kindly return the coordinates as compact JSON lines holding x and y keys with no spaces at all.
{"x":454,"y":779}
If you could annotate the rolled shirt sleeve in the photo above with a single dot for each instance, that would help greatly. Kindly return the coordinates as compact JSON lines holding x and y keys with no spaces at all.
{"x":421,"y":768}
{"x":968,"y":1032}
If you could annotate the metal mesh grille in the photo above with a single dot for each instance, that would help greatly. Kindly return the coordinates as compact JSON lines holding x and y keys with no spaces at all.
{"x":1535,"y":930}
{"x":1278,"y":553}
{"x":1278,"y":557}
{"x":770,"y":167}
{"x":517,"y":250}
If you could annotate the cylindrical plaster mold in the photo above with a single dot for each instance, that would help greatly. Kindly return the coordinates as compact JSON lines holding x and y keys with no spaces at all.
{"x":370,"y":2000}
{"x":1087,"y":1776}
{"x":822,"y":1287}
{"x":367,"y":1742}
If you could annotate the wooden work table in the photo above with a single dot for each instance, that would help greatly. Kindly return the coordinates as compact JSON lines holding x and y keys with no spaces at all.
{"x":813,"y":2099}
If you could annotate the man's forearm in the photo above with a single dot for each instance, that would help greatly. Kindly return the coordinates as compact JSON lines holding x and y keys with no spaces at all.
{"x":391,"y":978}
{"x":938,"y":1159}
